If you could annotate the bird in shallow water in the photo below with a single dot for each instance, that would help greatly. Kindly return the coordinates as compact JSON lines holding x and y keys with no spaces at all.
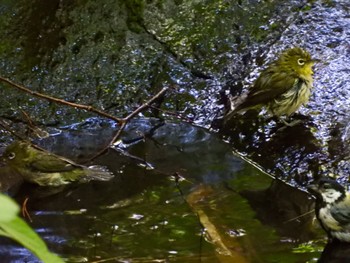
{"x":332,"y":208}
{"x":47,"y":169}
{"x":282,"y":87}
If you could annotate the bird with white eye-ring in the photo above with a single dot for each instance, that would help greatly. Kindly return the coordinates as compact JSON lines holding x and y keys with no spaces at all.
{"x":47,"y":169}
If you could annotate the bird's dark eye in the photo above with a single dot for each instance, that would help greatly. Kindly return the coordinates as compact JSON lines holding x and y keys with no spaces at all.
{"x":11,"y":155}
{"x":301,"y":62}
{"x":326,"y":186}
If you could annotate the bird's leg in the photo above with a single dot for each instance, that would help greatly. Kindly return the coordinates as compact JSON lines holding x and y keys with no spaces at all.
{"x":292,"y":123}
{"x":295,"y":119}
{"x":285,"y":123}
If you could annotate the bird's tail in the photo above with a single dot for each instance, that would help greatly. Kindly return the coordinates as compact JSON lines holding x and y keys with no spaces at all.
{"x":97,"y":173}
{"x":235,"y":107}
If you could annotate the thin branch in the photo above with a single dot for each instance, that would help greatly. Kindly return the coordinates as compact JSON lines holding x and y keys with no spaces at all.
{"x":8,"y":128}
{"x":115,"y":137}
{"x":25,"y":212}
{"x":146,"y":104}
{"x":126,"y":119}
{"x":137,"y":111}
{"x":122,"y":121}
{"x":61,"y":101}
{"x":175,"y":114}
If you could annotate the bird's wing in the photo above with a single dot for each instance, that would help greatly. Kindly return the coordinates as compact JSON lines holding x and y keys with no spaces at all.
{"x":51,"y":163}
{"x":341,"y":212}
{"x":263,"y":92}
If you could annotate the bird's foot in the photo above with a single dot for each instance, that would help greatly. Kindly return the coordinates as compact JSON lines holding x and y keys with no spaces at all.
{"x":292,"y":123}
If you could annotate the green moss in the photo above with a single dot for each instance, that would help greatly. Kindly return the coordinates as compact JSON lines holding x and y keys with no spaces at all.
{"x":135,"y":19}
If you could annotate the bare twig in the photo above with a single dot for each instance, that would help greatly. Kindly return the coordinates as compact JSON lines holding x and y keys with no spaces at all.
{"x":146,"y":104}
{"x":175,"y":114}
{"x":27,"y":117}
{"x":61,"y":101}
{"x":8,"y":128}
{"x":32,"y":128}
{"x":25,"y":212}
{"x":126,"y":119}
{"x":122,"y":121}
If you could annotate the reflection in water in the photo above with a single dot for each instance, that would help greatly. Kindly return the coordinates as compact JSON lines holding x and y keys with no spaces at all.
{"x":289,"y":210}
{"x":96,"y":58}
{"x":290,"y":153}
{"x":10,"y":252}
{"x":142,"y":214}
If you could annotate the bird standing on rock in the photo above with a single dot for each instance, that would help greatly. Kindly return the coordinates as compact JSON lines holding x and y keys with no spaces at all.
{"x":47,"y":169}
{"x":282,"y":87}
{"x":332,"y":208}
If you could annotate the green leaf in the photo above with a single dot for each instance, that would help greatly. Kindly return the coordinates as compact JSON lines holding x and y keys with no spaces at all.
{"x":3,"y":233}
{"x":8,"y":208}
{"x":13,"y":227}
{"x":18,"y":230}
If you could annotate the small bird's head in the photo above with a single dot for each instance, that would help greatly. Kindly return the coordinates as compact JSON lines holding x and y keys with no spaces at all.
{"x":296,"y":60}
{"x":16,"y":153}
{"x":328,"y":191}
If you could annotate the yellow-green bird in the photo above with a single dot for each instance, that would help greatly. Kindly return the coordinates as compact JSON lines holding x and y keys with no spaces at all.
{"x":282,"y":87}
{"x":47,"y":169}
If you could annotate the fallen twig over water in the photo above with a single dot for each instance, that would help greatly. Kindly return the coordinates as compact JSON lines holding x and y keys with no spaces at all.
{"x":121,"y":121}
